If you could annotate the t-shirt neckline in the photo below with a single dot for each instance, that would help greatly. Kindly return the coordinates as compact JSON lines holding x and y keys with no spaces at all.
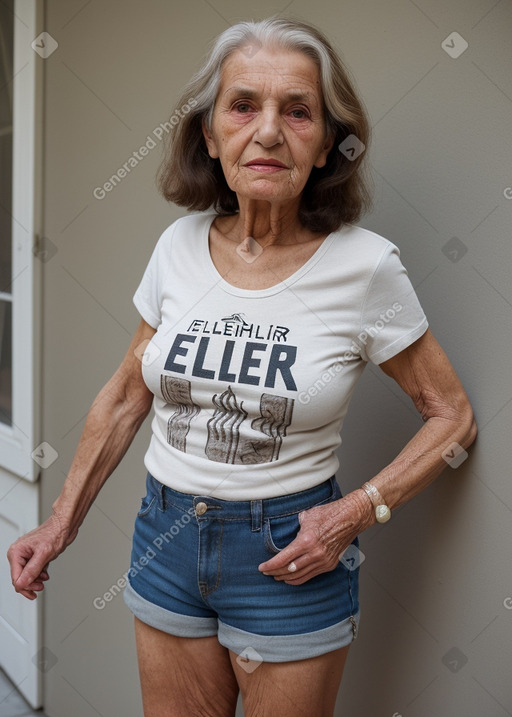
{"x":255,"y":293}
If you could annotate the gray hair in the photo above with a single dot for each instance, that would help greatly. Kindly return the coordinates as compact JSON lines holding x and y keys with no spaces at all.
{"x":273,"y":32}
{"x":333,"y":194}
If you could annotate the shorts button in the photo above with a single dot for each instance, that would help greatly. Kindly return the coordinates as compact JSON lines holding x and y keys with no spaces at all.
{"x":201,"y":508}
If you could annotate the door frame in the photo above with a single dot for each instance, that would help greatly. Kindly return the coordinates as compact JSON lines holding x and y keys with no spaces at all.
{"x":22,"y":653}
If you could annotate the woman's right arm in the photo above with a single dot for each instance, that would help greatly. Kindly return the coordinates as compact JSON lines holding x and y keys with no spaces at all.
{"x":112,"y":422}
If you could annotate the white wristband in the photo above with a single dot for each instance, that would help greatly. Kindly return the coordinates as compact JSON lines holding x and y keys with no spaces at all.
{"x":382,"y":512}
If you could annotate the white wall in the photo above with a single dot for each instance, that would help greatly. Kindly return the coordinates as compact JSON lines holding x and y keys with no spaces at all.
{"x":435,"y":578}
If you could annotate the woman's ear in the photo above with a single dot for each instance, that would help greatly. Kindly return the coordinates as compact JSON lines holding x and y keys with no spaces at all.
{"x":208,"y":138}
{"x":328,"y":145}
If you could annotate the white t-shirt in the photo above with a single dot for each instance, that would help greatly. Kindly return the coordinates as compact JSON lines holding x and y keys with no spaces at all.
{"x":251,"y":386}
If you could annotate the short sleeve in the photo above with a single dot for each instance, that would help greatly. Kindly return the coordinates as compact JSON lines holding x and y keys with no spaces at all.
{"x":392,"y":317}
{"x":149,"y":295}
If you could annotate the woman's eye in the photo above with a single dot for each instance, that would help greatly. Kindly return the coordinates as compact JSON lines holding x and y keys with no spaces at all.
{"x":298,"y":114}
{"x":242,"y":107}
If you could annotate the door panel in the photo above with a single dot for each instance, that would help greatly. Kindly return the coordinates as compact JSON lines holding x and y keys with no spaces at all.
{"x":20,"y":618}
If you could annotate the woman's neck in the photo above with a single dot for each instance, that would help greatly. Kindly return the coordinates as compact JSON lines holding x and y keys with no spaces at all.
{"x":268,"y":222}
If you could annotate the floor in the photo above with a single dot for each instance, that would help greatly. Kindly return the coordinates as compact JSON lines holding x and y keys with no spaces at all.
{"x":12,"y":704}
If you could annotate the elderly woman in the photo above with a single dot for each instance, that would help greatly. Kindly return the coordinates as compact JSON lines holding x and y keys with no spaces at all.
{"x":259,"y":313}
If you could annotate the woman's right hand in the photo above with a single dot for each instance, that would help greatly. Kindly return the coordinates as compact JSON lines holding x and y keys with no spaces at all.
{"x":112,"y":422}
{"x":30,"y":555}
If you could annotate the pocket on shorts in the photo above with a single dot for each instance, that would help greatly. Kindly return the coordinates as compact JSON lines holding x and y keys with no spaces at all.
{"x":280,"y":532}
{"x":146,"y":505}
{"x":148,"y":501}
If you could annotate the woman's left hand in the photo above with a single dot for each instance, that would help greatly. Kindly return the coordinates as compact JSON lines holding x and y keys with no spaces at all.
{"x":325,"y":533}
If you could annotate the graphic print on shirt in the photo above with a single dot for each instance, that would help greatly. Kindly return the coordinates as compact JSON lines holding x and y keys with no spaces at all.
{"x":225,"y":442}
{"x":177,"y":390}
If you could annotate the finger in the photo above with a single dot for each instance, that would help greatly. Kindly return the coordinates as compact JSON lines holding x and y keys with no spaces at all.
{"x":33,"y":589}
{"x":305,"y":568}
{"x":27,"y":591}
{"x":36,"y":584}
{"x":18,"y":562}
{"x":24,"y":558}
{"x":291,"y":569}
{"x":283,"y":568}
{"x":300,"y":545}
{"x":280,"y":562}
{"x":308,"y":571}
{"x":302,"y":579}
{"x":30,"y":594}
{"x":291,"y":559}
{"x":311,"y":570}
{"x":43,"y":575}
{"x":275,"y":564}
{"x":304,"y":542}
{"x":29,"y":573}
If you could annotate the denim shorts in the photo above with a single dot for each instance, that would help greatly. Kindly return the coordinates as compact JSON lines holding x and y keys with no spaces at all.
{"x":194,"y":573}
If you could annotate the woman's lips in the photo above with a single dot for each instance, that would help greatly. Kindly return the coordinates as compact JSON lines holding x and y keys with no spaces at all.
{"x":265,"y":168}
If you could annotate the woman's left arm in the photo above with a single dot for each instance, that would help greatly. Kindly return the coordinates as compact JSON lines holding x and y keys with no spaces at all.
{"x":425,"y":373}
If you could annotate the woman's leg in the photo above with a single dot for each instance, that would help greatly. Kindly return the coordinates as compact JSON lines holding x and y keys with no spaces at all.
{"x":184,"y":676}
{"x":291,"y":689}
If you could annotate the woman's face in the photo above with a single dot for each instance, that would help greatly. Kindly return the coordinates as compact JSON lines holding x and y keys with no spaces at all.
{"x":269,"y":107}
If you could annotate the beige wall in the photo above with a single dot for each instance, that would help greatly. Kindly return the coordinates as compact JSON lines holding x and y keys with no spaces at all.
{"x":437,"y":576}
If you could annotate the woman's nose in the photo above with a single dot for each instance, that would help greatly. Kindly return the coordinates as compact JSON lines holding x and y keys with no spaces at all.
{"x":268,"y":130}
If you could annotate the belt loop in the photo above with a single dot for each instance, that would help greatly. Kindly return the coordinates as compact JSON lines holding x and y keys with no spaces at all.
{"x":336,"y":490}
{"x":256,"y":515}
{"x":161,"y":495}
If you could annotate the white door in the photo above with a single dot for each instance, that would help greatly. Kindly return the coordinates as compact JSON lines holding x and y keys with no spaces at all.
{"x":22,"y":655}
